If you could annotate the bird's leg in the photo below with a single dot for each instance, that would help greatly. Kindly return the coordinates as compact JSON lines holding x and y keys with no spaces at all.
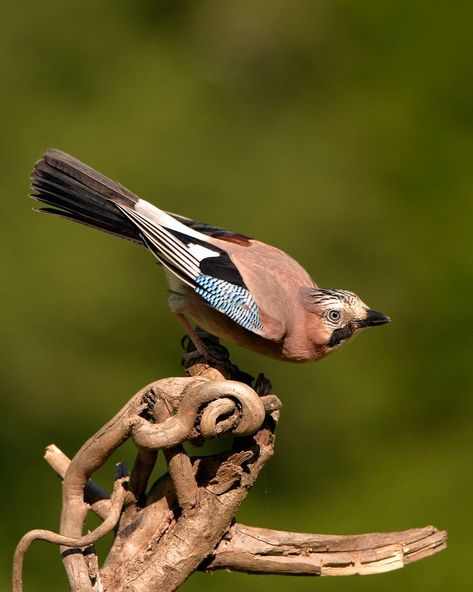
{"x":199,"y":345}
{"x":209,"y":347}
{"x":201,"y":348}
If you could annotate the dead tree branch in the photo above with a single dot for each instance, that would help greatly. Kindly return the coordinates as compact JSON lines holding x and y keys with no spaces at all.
{"x":185,"y":520}
{"x":260,"y":550}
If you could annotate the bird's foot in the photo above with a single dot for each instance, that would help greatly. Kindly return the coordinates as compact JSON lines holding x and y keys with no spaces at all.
{"x":263,"y":386}
{"x":148,"y":402}
{"x":193,"y":357}
{"x":206,"y":346}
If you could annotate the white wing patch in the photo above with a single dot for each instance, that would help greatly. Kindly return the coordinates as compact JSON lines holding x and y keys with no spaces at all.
{"x":201,"y":252}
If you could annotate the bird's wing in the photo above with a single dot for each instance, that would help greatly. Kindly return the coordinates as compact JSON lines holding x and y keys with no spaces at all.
{"x":202,"y":265}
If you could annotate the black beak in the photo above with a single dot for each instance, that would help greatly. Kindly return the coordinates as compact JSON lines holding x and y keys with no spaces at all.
{"x":373,"y":318}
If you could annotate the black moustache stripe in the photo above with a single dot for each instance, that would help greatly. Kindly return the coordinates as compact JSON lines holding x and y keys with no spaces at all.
{"x":341,"y":334}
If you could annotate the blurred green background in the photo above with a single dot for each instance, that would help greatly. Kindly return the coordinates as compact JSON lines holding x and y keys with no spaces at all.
{"x":340,"y":131}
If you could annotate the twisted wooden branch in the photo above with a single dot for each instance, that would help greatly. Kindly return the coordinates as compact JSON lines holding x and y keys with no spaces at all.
{"x":220,"y":398}
{"x":184,"y":521}
{"x":95,"y":497}
{"x":109,"y":523}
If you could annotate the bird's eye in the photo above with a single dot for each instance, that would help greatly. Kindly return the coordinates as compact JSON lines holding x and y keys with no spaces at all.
{"x":334,"y":315}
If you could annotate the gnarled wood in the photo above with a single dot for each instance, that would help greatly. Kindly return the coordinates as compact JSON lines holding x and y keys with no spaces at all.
{"x":185,"y":520}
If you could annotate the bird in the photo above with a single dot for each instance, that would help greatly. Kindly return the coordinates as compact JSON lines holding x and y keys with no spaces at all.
{"x":233,"y":286}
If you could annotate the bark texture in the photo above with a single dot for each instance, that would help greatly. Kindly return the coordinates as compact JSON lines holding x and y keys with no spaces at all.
{"x":185,"y":520}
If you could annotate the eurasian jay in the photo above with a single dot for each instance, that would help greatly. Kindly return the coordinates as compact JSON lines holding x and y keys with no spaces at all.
{"x":235,"y":287}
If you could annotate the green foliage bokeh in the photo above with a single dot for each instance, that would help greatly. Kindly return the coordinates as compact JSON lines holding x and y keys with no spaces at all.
{"x":341,"y":132}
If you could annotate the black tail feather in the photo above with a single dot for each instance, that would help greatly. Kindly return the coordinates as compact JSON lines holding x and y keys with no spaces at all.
{"x":77,"y":192}
{"x":92,"y":223}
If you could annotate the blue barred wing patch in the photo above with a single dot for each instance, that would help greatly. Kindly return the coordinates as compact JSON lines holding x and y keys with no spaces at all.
{"x":232,"y":300}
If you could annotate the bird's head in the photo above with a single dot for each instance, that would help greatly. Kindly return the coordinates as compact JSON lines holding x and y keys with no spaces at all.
{"x":339,"y":314}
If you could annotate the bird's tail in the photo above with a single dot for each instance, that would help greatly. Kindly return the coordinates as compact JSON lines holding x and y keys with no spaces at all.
{"x":77,"y":192}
